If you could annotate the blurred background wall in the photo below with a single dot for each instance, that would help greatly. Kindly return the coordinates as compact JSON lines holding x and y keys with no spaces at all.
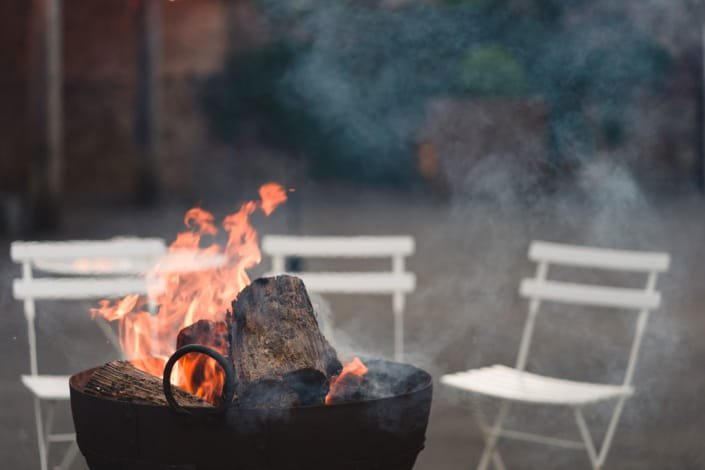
{"x":350,"y":91}
{"x":101,"y":44}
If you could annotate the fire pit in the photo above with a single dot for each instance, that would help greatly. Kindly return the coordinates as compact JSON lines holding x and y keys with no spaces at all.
{"x":261,"y":390}
{"x":385,"y":433}
{"x":255,"y":383}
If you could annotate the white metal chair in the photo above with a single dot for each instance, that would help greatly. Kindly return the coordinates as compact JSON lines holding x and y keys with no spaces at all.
{"x":515,"y":384}
{"x":396,"y":282}
{"x":74,"y":270}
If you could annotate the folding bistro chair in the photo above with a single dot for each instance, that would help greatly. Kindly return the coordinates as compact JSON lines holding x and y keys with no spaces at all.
{"x":396,"y":282}
{"x":510,"y":385}
{"x":73,"y":270}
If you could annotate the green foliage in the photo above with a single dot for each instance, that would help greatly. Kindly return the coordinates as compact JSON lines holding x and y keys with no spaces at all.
{"x":492,"y":70}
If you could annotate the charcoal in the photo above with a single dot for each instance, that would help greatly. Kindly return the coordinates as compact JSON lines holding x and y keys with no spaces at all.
{"x":268,"y":393}
{"x":310,"y":386}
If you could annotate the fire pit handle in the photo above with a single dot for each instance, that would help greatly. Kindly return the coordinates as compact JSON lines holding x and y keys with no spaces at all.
{"x":228,"y":388}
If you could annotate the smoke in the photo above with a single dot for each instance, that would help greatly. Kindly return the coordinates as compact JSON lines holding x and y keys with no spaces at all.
{"x":366,"y":74}
{"x":362,"y":73}
{"x":471,"y":256}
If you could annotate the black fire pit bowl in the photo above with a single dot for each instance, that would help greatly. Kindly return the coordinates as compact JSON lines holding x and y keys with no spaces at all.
{"x":385,"y":433}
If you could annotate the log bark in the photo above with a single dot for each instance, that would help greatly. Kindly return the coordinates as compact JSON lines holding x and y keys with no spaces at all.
{"x":275,"y":337}
{"x":122,"y":381}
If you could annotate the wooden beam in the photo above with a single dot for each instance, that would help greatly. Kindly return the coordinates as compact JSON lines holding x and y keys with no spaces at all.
{"x":54,"y":98}
{"x":46,"y":113}
{"x":148,"y":114}
{"x":700,"y":177}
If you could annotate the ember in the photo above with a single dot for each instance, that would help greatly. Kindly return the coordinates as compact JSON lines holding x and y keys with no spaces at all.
{"x":349,"y":378}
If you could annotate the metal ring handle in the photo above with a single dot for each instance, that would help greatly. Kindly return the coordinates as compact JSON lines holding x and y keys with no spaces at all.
{"x":228,"y":388}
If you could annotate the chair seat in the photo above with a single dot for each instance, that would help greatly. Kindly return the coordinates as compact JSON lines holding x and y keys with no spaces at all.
{"x":48,"y":387}
{"x":511,"y":384}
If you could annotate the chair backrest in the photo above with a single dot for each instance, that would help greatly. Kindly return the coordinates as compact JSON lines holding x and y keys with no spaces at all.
{"x":540,"y":289}
{"x":396,"y":281}
{"x":80,"y":269}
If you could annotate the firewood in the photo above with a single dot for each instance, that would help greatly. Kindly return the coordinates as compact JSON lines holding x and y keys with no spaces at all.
{"x":275,"y":337}
{"x":122,"y":381}
{"x":213,"y":334}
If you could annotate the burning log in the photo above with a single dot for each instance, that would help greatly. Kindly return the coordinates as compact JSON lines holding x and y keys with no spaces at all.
{"x":122,"y":381}
{"x":280,"y":357}
{"x":205,"y":377}
{"x":213,"y":334}
{"x":276,"y":342}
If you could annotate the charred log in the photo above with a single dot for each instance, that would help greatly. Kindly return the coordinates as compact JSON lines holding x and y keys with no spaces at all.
{"x":213,"y":334}
{"x":310,"y":386}
{"x":304,"y":387}
{"x":268,"y":393}
{"x":122,"y":381}
{"x":275,"y":337}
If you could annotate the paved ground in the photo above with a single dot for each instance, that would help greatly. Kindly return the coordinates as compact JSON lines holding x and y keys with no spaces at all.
{"x":465,"y":313}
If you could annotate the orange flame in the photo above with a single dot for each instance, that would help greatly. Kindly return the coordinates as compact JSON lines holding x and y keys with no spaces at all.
{"x":353,"y":370}
{"x":184,"y":297}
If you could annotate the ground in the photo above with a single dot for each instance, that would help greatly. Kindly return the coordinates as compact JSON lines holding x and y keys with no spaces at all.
{"x":466,"y":312}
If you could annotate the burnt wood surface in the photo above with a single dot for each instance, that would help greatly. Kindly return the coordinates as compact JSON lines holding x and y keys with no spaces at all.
{"x":122,"y":381}
{"x":275,"y":337}
{"x":213,"y":334}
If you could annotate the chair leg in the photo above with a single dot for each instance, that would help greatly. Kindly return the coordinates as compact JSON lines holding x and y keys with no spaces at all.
{"x":611,"y":428}
{"x":110,"y":335}
{"x":493,"y":436}
{"x":69,"y":457}
{"x":41,"y":435}
{"x":587,"y":439}
{"x":398,"y":328}
{"x":481,"y":421}
{"x":497,"y":461}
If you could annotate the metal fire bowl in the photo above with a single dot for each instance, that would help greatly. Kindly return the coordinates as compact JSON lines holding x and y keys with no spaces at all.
{"x":384,"y":434}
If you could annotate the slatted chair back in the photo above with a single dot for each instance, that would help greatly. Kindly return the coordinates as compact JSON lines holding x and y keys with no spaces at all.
{"x":540,"y":289}
{"x":80,"y":270}
{"x":397,"y":281}
{"x":73,"y":270}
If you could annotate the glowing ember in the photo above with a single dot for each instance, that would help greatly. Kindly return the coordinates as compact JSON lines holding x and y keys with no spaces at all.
{"x":353,"y":371}
{"x":184,"y":296}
